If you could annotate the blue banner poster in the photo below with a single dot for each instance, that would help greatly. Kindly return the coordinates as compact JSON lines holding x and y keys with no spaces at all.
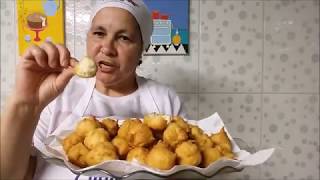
{"x":170,"y":27}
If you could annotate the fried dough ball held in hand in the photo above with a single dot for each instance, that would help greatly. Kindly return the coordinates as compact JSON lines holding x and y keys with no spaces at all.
{"x":161,"y":158}
{"x":121,"y":145}
{"x":139,"y":154}
{"x":102,"y":152}
{"x":70,"y":140}
{"x":221,"y":139}
{"x":111,"y":126}
{"x":86,"y":125}
{"x":95,"y":137}
{"x":188,"y":153}
{"x":155,"y":121}
{"x":210,"y":155}
{"x":86,"y":68}
{"x":174,"y":134}
{"x":77,"y":154}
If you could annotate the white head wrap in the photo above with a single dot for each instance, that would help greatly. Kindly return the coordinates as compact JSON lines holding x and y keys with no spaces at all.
{"x":137,"y":8}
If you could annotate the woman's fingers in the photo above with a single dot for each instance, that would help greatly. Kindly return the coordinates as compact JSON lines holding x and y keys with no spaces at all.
{"x":63,"y":79}
{"x":64,"y":55}
{"x":48,"y":56}
{"x":73,"y":62}
{"x":52,"y":53}
{"x":35,"y":53}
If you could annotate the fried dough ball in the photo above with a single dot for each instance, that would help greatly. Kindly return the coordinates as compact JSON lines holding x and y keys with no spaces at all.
{"x":136,"y":133}
{"x":162,"y":144}
{"x":182,"y":123}
{"x":226,"y":148}
{"x":126,"y":126}
{"x":140,"y":135}
{"x":155,"y":121}
{"x":86,"y":125}
{"x":100,"y":153}
{"x":174,"y":134}
{"x":86,"y":68}
{"x":139,"y":154}
{"x":225,"y":152}
{"x":121,"y":145}
{"x":108,"y":145}
{"x":77,"y":153}
{"x":95,"y":137}
{"x":221,"y":139}
{"x":203,"y":141}
{"x":210,"y":155}
{"x":70,"y":140}
{"x":111,"y":126}
{"x":161,"y":158}
{"x":188,"y":153}
{"x":195,"y":131}
{"x":228,"y":155}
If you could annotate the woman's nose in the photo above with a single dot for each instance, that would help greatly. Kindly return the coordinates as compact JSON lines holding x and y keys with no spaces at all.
{"x":108,"y":48}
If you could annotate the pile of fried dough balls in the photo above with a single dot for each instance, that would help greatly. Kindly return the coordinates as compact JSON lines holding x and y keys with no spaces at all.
{"x":158,"y":141}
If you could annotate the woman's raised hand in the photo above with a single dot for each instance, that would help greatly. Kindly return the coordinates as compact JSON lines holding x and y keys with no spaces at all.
{"x":42,"y":74}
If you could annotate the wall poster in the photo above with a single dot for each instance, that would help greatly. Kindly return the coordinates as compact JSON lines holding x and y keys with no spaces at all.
{"x":39,"y":21}
{"x":171,"y":27}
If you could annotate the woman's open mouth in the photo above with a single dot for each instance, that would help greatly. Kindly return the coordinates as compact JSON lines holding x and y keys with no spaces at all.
{"x":106,"y":67}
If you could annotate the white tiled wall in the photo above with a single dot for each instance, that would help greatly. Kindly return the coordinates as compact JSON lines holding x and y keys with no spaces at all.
{"x":231,"y":34}
{"x":8,"y":48}
{"x":289,"y":123}
{"x":256,"y":62}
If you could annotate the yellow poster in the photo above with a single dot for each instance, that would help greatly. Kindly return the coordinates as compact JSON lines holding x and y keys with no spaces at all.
{"x":39,"y":21}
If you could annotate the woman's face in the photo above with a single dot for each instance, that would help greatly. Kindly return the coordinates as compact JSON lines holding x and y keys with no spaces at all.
{"x":114,"y":42}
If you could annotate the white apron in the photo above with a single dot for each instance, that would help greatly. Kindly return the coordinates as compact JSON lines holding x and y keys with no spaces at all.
{"x":81,"y":107}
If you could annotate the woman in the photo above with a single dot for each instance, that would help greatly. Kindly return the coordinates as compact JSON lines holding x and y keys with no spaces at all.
{"x":47,"y":96}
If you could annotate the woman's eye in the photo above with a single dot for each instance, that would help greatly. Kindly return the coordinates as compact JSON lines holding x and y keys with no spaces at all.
{"x":100,"y":34}
{"x":124,"y":38}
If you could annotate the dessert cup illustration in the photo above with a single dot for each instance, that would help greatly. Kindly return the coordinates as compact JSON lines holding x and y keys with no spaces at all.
{"x":37,"y":22}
